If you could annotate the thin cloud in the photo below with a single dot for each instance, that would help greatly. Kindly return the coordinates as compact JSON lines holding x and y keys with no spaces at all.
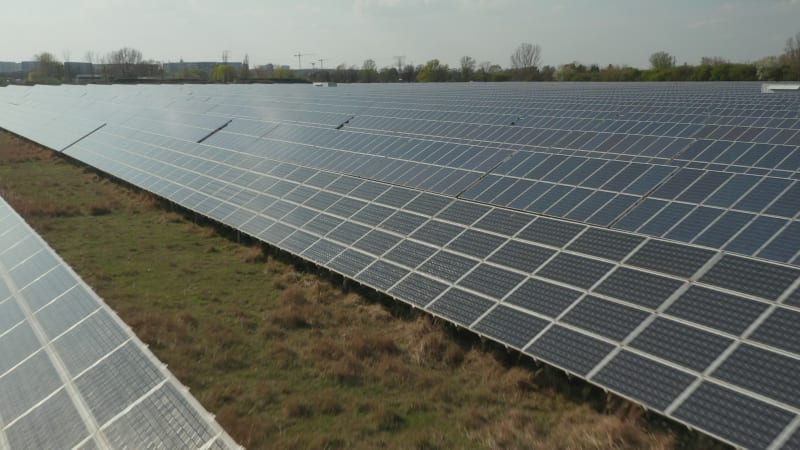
{"x":708,"y":22}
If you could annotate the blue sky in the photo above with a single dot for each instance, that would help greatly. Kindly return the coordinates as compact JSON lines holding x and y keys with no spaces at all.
{"x":350,"y":31}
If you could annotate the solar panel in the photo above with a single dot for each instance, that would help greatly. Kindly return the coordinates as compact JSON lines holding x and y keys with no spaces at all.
{"x":641,"y":236}
{"x":71,"y":373}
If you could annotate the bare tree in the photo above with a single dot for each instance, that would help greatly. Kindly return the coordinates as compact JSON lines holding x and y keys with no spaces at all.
{"x":124,"y":61}
{"x":526,"y":56}
{"x":467,"y":67}
{"x":369,"y":71}
{"x":126,"y":55}
{"x":66,"y":53}
{"x":400,"y":60}
{"x":792,"y":55}
{"x":244,"y":72}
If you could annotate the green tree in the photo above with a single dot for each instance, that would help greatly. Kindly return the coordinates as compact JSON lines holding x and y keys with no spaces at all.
{"x":282,"y":73}
{"x":48,"y":69}
{"x":702,"y":73}
{"x":769,"y":69}
{"x":433,"y":71}
{"x":222,"y":73}
{"x":662,"y":61}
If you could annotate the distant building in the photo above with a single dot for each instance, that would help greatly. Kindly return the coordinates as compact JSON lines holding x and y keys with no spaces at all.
{"x":73,"y":69}
{"x":28,"y":66}
{"x":111,"y":72}
{"x":195,"y":66}
{"x":9,"y":67}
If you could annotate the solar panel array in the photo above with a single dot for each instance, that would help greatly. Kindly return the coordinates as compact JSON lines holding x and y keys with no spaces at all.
{"x":72,"y":375}
{"x":643,"y":237}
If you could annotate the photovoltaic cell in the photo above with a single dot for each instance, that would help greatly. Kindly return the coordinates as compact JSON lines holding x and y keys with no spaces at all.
{"x":642,"y":288}
{"x":575,"y":270}
{"x":58,"y":416}
{"x":476,"y":243}
{"x":725,"y":312}
{"x":751,"y":277}
{"x":381,"y":275}
{"x":491,"y":280}
{"x":743,"y":420}
{"x":767,"y":373}
{"x":508,"y":325}
{"x":521,"y":256}
{"x":781,"y":330}
{"x":418,"y":289}
{"x":543,"y":298}
{"x":680,"y":343}
{"x":670,"y":258}
{"x":606,"y":318}
{"x":501,"y":221}
{"x":461,"y":306}
{"x":448,"y":266}
{"x":654,"y":384}
{"x":571,"y":350}
{"x":605,"y":244}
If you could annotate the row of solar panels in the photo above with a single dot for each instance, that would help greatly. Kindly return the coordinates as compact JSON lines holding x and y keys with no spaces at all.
{"x":604,"y":183}
{"x":708,"y":338}
{"x":72,"y":375}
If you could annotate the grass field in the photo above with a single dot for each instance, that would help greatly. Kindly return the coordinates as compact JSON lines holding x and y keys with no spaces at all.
{"x":283,"y":356}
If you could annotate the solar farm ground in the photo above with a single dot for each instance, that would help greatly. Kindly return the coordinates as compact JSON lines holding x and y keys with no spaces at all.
{"x":283,"y":356}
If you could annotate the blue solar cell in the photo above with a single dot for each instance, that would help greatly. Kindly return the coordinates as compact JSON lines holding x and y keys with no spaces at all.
{"x":788,"y":204}
{"x":583,"y":171}
{"x":750,"y":239}
{"x":763,"y":194}
{"x":548,"y":199}
{"x":732,"y":190}
{"x":677,"y":184}
{"x":694,"y":223}
{"x":785,"y":245}
{"x":625,"y":177}
{"x":640,"y":214}
{"x":723,"y":229}
{"x":612,"y":210}
{"x":589,"y":206}
{"x":703,"y":187}
{"x":603,"y":174}
{"x":666,"y":219}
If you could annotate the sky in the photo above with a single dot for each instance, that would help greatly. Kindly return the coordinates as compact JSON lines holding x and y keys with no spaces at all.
{"x":604,"y":32}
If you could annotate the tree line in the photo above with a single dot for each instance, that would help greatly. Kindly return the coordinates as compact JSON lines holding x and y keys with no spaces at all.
{"x":525,"y":65}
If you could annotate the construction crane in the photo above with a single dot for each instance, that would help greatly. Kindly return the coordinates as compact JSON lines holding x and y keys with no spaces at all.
{"x":300,"y":60}
{"x":321,"y":60}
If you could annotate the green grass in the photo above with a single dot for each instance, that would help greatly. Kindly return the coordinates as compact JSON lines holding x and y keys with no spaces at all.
{"x":284,"y":357}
